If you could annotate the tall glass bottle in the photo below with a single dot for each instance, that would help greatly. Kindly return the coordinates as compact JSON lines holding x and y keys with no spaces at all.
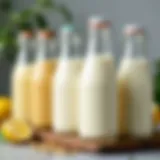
{"x":98,"y":102}
{"x":45,"y":66}
{"x":21,"y":77}
{"x":135,"y":86}
{"x":64,"y":84}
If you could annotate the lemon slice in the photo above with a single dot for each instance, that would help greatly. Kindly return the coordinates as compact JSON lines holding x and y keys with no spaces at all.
{"x":16,"y":130}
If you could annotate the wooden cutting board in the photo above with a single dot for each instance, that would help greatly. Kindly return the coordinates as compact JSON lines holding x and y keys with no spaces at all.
{"x":73,"y":143}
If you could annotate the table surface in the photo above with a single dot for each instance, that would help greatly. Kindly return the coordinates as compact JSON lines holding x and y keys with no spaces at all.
{"x":13,"y":152}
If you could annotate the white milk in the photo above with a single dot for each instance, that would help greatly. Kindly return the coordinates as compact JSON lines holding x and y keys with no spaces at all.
{"x":65,"y":83}
{"x":98,"y":108}
{"x":66,"y":95}
{"x":136,"y":75}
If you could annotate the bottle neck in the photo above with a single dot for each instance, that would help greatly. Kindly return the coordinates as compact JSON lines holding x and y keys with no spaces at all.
{"x":26,"y":50}
{"x":45,"y":49}
{"x":99,"y":41}
{"x":135,"y":47}
{"x":69,"y":47}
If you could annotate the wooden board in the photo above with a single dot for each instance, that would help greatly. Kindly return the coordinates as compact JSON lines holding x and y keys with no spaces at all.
{"x":72,"y":142}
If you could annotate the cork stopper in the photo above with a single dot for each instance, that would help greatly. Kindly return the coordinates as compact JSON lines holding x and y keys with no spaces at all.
{"x":133,"y":29}
{"x":27,"y":34}
{"x":46,"y":34}
{"x":98,"y":22}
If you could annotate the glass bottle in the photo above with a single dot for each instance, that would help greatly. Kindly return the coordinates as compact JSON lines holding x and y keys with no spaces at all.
{"x":98,"y":100}
{"x":21,"y":75}
{"x":64,"y":86}
{"x":135,"y":86}
{"x":45,"y":66}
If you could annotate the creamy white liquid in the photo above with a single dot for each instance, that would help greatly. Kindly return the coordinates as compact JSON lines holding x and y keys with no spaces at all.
{"x":65,"y":91}
{"x":137,"y":77}
{"x":98,"y":102}
{"x":21,"y":92}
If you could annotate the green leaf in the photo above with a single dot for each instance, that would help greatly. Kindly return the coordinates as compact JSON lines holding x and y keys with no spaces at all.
{"x":157,"y":83}
{"x":40,"y":21}
{"x":21,"y":16}
{"x":8,"y":51}
{"x":26,"y":14}
{"x":5,"y":5}
{"x":25,"y":25}
{"x":22,"y":20}
{"x":65,"y":12}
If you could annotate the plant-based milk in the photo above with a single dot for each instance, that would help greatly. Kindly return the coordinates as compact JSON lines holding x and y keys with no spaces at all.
{"x":98,"y":102}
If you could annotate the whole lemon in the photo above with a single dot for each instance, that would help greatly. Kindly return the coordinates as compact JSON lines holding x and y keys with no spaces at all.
{"x":5,"y":107}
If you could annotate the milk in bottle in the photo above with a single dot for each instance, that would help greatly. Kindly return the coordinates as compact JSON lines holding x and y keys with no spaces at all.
{"x":135,"y":86}
{"x":65,"y":89}
{"x":98,"y":102}
{"x":20,"y":82}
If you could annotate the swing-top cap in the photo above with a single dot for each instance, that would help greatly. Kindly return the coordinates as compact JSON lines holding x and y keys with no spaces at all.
{"x":98,"y":22}
{"x":68,"y":28}
{"x":133,"y":29}
{"x":46,"y":34}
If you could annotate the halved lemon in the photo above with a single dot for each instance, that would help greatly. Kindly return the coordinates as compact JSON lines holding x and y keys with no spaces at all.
{"x":16,"y":130}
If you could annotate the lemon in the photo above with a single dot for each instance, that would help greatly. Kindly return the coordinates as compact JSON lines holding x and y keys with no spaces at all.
{"x":5,"y":107}
{"x":16,"y":130}
{"x":156,"y":114}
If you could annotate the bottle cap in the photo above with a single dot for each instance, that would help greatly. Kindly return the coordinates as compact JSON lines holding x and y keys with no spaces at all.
{"x":46,"y":34}
{"x":98,"y":22}
{"x":67,"y":28}
{"x":27,"y":34}
{"x":133,"y":29}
